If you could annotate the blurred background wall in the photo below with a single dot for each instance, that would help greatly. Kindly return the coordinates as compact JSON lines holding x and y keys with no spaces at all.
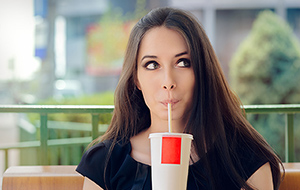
{"x":53,"y":48}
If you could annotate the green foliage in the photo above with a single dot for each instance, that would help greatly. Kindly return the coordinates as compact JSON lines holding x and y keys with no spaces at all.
{"x":266,"y":70}
{"x":106,"y":98}
{"x":107,"y":39}
{"x":140,"y":10}
{"x":266,"y":67}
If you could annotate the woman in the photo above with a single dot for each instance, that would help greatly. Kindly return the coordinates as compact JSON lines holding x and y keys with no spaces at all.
{"x":169,"y":59}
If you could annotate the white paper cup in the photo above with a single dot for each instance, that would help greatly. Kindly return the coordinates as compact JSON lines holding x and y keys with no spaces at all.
{"x":170,"y":155}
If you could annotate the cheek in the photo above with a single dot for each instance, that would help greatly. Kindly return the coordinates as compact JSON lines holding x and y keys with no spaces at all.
{"x":147,"y":82}
{"x":143,"y":85}
{"x":189,"y":89}
{"x":192,"y":86}
{"x":150,"y":89}
{"x":188,"y":81}
{"x":190,"y":94}
{"x":148,"y":97}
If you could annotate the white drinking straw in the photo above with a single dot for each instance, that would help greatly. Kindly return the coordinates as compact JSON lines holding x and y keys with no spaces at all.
{"x":170,"y":117}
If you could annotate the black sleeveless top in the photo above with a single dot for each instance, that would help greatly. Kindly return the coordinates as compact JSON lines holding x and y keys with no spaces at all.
{"x":125,"y":173}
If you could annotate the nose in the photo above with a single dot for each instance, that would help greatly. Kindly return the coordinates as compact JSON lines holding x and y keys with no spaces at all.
{"x":169,"y":87}
{"x":169,"y":81}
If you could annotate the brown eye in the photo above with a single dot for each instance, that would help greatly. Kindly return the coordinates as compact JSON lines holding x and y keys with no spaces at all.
{"x":184,"y":63}
{"x":152,"y":65}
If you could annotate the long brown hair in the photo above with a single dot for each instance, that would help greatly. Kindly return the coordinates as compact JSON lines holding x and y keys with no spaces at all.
{"x":216,"y":119}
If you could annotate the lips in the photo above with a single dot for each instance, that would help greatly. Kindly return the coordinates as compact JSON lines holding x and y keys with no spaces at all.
{"x":172,"y":101}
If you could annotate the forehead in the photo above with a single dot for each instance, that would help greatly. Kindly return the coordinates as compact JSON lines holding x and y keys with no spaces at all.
{"x":162,"y":41}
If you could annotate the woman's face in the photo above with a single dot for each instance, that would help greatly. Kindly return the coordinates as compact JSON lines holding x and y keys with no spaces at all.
{"x":165,"y":74}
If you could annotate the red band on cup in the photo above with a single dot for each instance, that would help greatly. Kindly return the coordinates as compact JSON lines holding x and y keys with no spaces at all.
{"x":171,"y":150}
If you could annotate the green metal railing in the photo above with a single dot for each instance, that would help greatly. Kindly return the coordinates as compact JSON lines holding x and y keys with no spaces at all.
{"x":44,"y":110}
{"x":289,"y":110}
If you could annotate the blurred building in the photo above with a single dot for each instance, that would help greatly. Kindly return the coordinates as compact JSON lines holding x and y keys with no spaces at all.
{"x":61,"y":35}
{"x":227,"y":23}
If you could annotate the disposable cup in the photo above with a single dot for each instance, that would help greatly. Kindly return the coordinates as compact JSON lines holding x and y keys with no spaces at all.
{"x":170,"y":155}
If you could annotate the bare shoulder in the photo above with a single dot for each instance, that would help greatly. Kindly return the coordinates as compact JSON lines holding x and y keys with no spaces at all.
{"x":90,"y":185}
{"x":262,"y":178}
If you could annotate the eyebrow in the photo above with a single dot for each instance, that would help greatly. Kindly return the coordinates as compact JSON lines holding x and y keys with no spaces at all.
{"x":180,"y":54}
{"x":149,"y":56}
{"x":154,"y":57}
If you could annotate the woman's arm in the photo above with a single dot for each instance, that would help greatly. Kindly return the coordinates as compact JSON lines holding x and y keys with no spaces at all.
{"x":90,"y":185}
{"x":262,"y":178}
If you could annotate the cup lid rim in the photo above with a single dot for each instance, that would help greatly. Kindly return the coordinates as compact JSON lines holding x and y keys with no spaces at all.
{"x":170,"y":134}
